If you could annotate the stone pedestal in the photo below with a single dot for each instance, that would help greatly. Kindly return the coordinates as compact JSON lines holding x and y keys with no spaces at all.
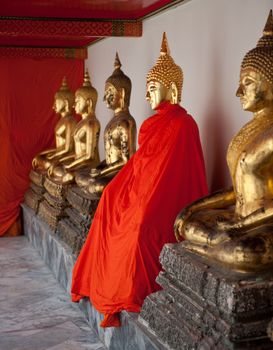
{"x":71,"y":235}
{"x":74,"y":228}
{"x":81,"y":201}
{"x":33,"y":200}
{"x":37,"y":177}
{"x":34,"y":195}
{"x":52,"y":208}
{"x":205,"y":306}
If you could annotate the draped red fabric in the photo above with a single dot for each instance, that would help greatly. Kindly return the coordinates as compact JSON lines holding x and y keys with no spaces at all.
{"x":27,"y":121}
{"x":119,"y":262}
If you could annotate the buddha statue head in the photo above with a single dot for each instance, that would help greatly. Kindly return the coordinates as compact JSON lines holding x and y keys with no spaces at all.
{"x":165,"y":79}
{"x":63,"y":99}
{"x":117,"y":89}
{"x":86,"y":97}
{"x":256,"y":77}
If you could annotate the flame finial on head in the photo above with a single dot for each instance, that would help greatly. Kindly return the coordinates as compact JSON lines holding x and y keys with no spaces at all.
{"x":86,"y":79}
{"x":117,"y":63}
{"x":64,"y":86}
{"x":164,"y":45}
{"x":268,"y":29}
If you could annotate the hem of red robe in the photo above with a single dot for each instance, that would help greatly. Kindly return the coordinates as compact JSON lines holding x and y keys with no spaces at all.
{"x":115,"y":309}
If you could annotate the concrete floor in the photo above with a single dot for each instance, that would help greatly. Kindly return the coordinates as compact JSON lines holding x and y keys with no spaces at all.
{"x":35,"y":312}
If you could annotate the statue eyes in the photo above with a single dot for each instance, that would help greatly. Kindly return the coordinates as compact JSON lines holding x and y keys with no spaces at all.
{"x":152,"y":88}
{"x":247,"y":82}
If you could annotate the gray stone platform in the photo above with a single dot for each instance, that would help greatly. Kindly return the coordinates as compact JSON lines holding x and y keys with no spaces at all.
{"x":35,"y":312}
{"x":58,"y":256}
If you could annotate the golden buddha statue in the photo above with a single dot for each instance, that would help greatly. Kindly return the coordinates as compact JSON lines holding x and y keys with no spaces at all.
{"x":63,"y":103}
{"x":119,"y":134}
{"x":165,"y":79}
{"x":86,"y":136}
{"x":235,"y":226}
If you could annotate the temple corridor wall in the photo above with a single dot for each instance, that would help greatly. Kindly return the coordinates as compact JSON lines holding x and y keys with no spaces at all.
{"x":208,"y":39}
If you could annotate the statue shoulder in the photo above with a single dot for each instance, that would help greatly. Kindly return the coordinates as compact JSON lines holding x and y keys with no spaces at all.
{"x":93,"y":122}
{"x":185,"y":121}
{"x":127,"y":122}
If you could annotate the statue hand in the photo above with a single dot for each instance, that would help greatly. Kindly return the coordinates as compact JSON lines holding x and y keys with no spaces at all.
{"x":95,"y":172}
{"x":178,"y":227}
{"x":50,"y":171}
{"x":50,"y":155}
{"x":227,"y":225}
{"x":179,"y":224}
{"x":34,"y":163}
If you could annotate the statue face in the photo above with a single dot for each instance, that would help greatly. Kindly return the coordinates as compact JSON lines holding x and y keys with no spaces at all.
{"x":156,"y":93}
{"x":254,"y":91}
{"x":111,"y":97}
{"x":59,"y":105}
{"x":80,"y":104}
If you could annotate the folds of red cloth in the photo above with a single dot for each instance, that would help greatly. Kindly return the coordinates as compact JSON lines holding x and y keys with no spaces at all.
{"x":119,"y":262}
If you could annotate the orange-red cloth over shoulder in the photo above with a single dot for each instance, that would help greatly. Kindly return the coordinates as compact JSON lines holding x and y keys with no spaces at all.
{"x":119,"y":262}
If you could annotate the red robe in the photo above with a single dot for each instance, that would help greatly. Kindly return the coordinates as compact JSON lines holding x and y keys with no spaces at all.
{"x":119,"y":262}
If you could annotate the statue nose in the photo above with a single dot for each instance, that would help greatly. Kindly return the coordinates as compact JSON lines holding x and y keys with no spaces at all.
{"x":239,"y":91}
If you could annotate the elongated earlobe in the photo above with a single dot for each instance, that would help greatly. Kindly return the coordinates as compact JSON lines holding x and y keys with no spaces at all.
{"x":174,"y":93}
{"x":66,"y":104}
{"x":90,"y":105}
{"x":122,"y":97}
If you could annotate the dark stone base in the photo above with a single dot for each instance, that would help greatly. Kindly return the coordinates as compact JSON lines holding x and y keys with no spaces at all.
{"x":58,"y":256}
{"x":37,"y":178}
{"x":37,"y":189}
{"x":33,"y":200}
{"x":51,"y":215}
{"x":74,"y":229}
{"x":81,"y":201}
{"x":71,"y":235}
{"x":55,"y":189}
{"x":82,"y":221}
{"x":56,"y":202}
{"x":203,"y":306}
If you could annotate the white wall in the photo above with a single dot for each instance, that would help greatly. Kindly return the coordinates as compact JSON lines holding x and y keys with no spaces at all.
{"x":208,"y":39}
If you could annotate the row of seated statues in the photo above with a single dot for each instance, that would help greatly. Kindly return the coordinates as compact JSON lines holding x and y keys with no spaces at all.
{"x":233,"y":226}
{"x":117,"y":267}
{"x":76,"y":156}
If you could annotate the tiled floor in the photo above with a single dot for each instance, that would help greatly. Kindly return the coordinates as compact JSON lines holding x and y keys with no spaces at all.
{"x":35,"y":312}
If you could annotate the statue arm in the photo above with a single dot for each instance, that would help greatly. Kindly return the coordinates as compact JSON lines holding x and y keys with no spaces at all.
{"x":47,"y":151}
{"x":95,"y":172}
{"x":62,"y":151}
{"x":217,"y":200}
{"x":262,"y":157}
{"x":131,"y":138}
{"x":60,"y":133}
{"x":113,"y":169}
{"x":64,"y":148}
{"x":260,"y":217}
{"x":91,"y":144}
{"x":50,"y":153}
{"x":70,"y":156}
